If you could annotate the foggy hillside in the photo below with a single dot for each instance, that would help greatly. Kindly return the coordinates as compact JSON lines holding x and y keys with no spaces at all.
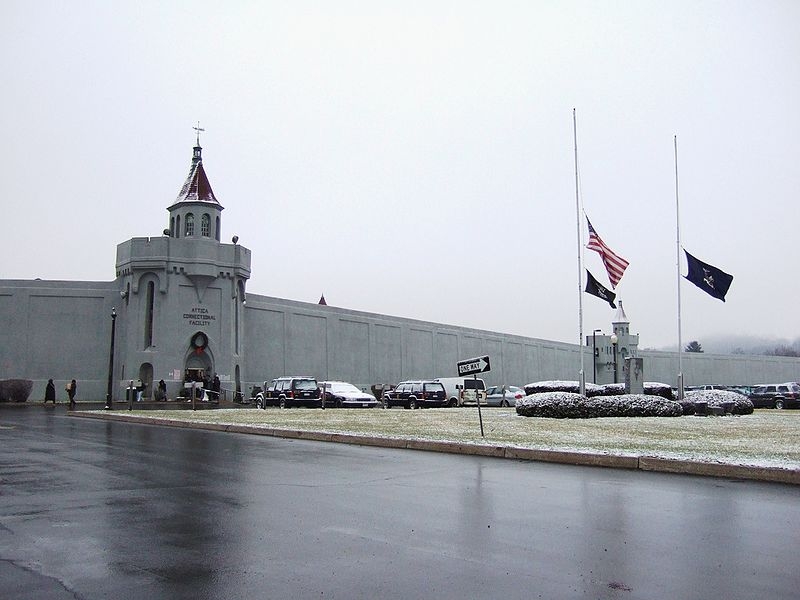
{"x":739,"y":344}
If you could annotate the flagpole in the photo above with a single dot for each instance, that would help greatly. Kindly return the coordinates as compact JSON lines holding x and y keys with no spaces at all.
{"x":581,"y":375}
{"x":678,"y":268}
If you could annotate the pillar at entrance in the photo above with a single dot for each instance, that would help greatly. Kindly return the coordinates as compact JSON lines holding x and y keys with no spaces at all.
{"x":634,"y":375}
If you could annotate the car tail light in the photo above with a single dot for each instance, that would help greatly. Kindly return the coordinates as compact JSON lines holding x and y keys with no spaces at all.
{"x":517,"y":396}
{"x":290,"y":394}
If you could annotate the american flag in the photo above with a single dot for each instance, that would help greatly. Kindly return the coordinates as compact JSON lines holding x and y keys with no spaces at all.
{"x":615,"y":265}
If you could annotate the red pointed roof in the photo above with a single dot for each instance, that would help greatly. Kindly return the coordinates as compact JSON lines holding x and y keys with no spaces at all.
{"x":197,"y":187}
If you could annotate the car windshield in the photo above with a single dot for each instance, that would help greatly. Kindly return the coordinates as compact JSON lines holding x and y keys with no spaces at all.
{"x":344,"y":387}
{"x":305,"y":384}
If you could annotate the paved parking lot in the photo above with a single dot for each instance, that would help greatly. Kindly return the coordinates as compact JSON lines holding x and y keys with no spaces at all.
{"x":94,"y":509}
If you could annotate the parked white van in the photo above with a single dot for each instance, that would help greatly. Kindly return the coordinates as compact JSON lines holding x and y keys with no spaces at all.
{"x":463,"y":390}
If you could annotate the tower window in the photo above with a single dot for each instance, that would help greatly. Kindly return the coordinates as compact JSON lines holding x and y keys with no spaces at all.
{"x":189,"y":225}
{"x":216,"y":232}
{"x":148,"y":318}
{"x":205,"y":224}
{"x":178,"y":226}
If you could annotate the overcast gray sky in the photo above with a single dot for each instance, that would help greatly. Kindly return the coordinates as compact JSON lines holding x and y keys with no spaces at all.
{"x":416,"y":158}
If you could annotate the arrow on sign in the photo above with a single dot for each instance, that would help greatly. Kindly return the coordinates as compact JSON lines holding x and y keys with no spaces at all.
{"x":471,"y":366}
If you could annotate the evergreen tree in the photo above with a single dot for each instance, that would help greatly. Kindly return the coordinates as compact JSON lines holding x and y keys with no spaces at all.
{"x":694,"y":346}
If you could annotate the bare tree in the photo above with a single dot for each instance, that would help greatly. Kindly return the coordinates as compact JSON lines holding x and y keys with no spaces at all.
{"x":782,"y":350}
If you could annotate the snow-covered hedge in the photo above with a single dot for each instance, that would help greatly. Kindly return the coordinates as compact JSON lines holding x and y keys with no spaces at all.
{"x":730,"y":402}
{"x":539,"y":387}
{"x":569,"y":405}
{"x":610,"y":389}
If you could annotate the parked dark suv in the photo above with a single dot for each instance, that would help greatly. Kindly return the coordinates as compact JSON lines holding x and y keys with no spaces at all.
{"x":416,"y":394}
{"x":290,"y":391}
{"x":782,"y":395}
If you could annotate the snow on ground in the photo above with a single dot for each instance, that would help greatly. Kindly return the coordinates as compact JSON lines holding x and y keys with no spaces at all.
{"x":766,"y":438}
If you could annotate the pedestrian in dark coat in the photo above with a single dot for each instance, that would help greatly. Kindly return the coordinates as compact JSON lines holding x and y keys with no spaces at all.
{"x":72,"y":389}
{"x":50,"y":392}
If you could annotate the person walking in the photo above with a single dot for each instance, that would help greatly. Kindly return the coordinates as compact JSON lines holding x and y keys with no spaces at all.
{"x":72,"y":389}
{"x":50,"y":392}
{"x":215,"y":386}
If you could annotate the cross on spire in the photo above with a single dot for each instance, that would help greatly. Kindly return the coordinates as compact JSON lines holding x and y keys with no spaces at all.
{"x":198,"y":129}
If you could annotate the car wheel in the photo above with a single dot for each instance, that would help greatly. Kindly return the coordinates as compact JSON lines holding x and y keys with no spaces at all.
{"x":412,"y":403}
{"x":453,"y":403}
{"x":505,"y":403}
{"x":779,"y":404}
{"x":259,"y":401}
{"x":282,"y":402}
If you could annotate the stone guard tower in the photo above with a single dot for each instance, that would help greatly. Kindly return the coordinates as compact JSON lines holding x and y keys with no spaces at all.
{"x":181,"y":313}
{"x":608,"y":355}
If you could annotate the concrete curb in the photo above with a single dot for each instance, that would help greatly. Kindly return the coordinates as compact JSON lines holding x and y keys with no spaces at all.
{"x":634,"y":462}
{"x":667,"y":465}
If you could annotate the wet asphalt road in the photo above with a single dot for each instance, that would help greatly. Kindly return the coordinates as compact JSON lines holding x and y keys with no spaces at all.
{"x":92,"y":509}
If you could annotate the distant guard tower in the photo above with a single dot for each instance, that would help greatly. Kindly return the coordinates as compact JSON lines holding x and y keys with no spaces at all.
{"x":610,"y":351}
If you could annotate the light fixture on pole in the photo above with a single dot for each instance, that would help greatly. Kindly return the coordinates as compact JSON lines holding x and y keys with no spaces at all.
{"x":111,"y":358}
{"x":614,"y":340}
{"x":594,"y":355}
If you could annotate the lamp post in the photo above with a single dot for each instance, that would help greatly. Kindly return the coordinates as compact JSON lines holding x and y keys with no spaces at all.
{"x":111,"y":358}
{"x":614,"y":340}
{"x":594,"y":355}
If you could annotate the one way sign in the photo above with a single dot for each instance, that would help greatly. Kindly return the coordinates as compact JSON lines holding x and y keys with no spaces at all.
{"x":471,"y":366}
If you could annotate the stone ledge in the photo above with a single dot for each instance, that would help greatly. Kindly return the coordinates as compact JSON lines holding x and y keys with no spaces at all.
{"x":574,"y":458}
{"x":366,"y":440}
{"x":455,"y":448}
{"x":686,"y":467}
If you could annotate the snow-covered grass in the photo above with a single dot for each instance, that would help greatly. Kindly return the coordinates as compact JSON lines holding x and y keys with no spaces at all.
{"x":767,"y":438}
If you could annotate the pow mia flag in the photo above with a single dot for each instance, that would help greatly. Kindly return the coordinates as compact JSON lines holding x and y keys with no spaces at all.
{"x":708,"y":278}
{"x":595,"y":288}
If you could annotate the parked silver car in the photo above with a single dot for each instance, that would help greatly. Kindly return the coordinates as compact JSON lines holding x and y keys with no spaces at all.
{"x":503,"y":395}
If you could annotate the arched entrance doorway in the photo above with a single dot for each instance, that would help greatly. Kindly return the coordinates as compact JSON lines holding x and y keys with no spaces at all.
{"x":146,"y":377}
{"x":199,"y":363}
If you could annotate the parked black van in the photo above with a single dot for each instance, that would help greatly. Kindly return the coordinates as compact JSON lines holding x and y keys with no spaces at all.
{"x":416,"y":394}
{"x":782,"y":395}
{"x":290,"y":391}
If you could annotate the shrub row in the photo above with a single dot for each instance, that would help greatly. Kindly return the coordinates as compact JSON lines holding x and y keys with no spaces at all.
{"x":592,"y":390}
{"x":731,"y":402}
{"x":15,"y":390}
{"x":569,"y":405}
